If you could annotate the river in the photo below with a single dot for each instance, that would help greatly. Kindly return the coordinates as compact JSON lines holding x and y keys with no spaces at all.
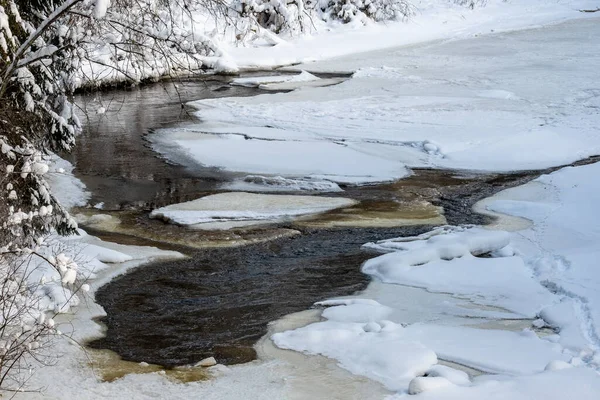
{"x":219,"y":301}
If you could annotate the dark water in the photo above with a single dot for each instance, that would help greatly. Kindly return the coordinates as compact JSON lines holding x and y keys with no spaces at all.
{"x":219,"y":302}
{"x":113,"y":157}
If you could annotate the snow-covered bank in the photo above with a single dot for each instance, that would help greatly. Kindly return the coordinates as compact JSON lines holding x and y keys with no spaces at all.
{"x":434,"y":20}
{"x":225,"y":49}
{"x":562,"y":247}
{"x":68,"y":189}
{"x":510,"y":101}
{"x":545,"y":272}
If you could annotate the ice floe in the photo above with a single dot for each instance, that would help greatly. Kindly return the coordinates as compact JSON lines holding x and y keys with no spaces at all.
{"x":233,"y":209}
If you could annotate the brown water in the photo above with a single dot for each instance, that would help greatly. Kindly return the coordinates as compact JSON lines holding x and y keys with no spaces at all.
{"x":220,"y":300}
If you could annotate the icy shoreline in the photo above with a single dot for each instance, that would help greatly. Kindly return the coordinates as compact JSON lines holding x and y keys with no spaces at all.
{"x":542,"y":276}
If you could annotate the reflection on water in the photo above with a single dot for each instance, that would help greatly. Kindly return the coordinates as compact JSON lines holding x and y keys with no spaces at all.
{"x":113,"y":158}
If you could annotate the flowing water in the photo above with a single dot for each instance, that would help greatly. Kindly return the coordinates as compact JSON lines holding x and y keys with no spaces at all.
{"x":219,"y":301}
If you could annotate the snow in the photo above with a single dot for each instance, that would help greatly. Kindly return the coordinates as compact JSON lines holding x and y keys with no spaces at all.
{"x":419,"y":106}
{"x":556,"y":365}
{"x":68,"y":190}
{"x":264,"y":81}
{"x":565,"y":317}
{"x":382,"y":356}
{"x":243,"y":151}
{"x":566,"y":237}
{"x":488,"y":350}
{"x":453,"y":375}
{"x":574,"y":383}
{"x":100,"y":8}
{"x":285,"y":82}
{"x":445,"y":261}
{"x":226,"y":210}
{"x":225,"y":65}
{"x":505,"y":101}
{"x":421,"y":384}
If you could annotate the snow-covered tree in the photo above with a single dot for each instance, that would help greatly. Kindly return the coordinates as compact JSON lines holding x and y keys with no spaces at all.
{"x":295,"y":16}
{"x":44,"y":46}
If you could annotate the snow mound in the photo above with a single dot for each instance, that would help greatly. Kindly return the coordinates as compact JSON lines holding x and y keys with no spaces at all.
{"x":444,"y":260}
{"x":242,"y":209}
{"x":453,"y":375}
{"x":447,"y":242}
{"x":381,"y":355}
{"x":421,"y":384}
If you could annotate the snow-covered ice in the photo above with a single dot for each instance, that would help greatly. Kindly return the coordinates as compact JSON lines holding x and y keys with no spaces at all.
{"x":257,"y":81}
{"x":233,"y":209}
{"x":271,"y":151}
{"x":562,"y":246}
{"x":496,"y":102}
{"x":285,"y":82}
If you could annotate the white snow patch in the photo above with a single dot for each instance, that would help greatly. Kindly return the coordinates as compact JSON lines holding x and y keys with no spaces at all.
{"x":67,"y":189}
{"x":246,"y":208}
{"x":563,"y":206}
{"x":573,"y":383}
{"x":382,"y":356}
{"x":424,"y":383}
{"x":265,"y":81}
{"x":444,"y":261}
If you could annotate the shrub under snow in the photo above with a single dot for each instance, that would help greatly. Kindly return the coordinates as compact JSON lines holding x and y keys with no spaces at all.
{"x":294,"y":16}
{"x":349,"y":10}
